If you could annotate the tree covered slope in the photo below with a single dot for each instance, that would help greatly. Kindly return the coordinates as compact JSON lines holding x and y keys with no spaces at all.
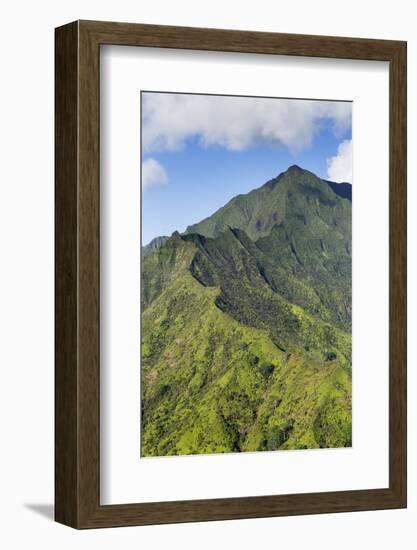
{"x":246,"y":321}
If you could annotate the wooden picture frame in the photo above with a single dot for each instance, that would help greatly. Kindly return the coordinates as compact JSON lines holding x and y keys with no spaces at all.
{"x":77,"y":382}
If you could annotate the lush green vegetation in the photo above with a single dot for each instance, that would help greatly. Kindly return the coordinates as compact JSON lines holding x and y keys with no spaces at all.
{"x":246,"y":323}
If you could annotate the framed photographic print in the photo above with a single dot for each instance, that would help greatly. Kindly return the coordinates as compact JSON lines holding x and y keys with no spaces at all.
{"x":230,"y":274}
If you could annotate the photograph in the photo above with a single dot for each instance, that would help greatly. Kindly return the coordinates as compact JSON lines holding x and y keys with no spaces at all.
{"x":205,"y":326}
{"x":246,"y":273}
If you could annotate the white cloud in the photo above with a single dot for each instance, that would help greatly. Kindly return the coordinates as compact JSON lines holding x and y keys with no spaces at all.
{"x":236,"y":123}
{"x":153,"y":173}
{"x":339,"y":167}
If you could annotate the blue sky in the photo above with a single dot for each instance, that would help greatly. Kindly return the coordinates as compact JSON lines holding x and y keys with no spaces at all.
{"x":198,"y":152}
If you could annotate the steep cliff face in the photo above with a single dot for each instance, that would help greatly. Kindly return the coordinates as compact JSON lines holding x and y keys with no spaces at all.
{"x":155,"y":243}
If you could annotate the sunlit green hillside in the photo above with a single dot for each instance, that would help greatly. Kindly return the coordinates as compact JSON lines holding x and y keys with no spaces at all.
{"x":246,"y":325}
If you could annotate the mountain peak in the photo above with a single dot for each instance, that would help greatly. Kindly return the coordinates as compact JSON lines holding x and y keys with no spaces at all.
{"x":293,"y":171}
{"x":295,"y":168}
{"x":289,"y":194}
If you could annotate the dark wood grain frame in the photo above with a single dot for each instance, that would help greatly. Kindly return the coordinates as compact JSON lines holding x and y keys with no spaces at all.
{"x":77,"y":374}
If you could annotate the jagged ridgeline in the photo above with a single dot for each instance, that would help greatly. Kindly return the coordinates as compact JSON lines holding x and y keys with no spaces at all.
{"x":246,"y":324}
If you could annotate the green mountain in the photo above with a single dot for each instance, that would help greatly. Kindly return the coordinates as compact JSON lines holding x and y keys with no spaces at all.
{"x":294,"y":192}
{"x":246,"y":325}
{"x":152,"y":246}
